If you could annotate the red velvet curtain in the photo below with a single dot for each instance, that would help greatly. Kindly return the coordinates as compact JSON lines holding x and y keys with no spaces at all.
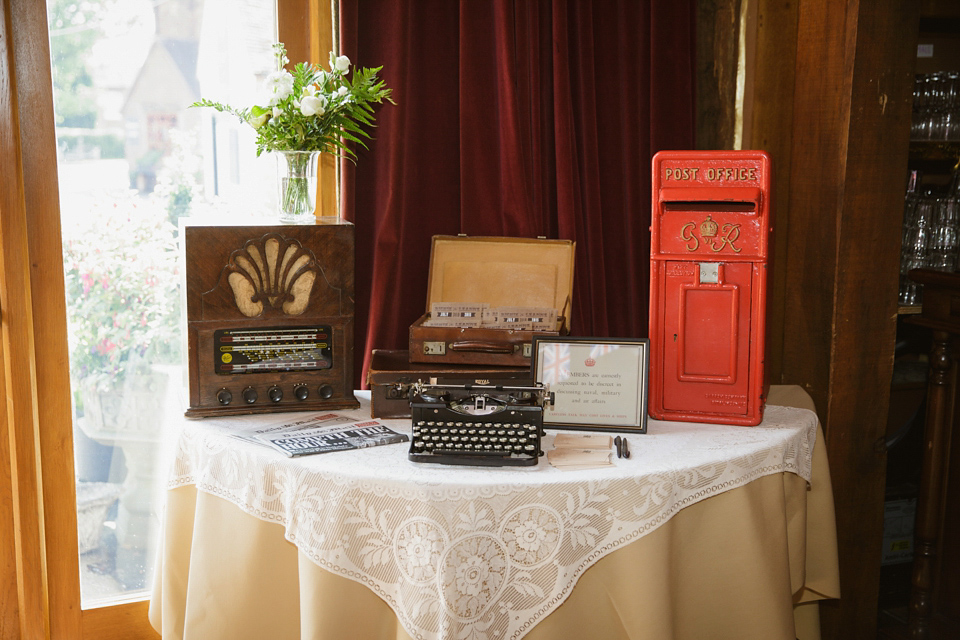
{"x":514,"y":118}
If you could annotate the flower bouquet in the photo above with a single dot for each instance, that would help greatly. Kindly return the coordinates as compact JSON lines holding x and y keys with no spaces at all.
{"x":307,"y":112}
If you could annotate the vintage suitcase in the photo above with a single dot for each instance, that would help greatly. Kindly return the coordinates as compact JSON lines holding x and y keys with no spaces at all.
{"x":502,"y":273}
{"x":390,"y":368}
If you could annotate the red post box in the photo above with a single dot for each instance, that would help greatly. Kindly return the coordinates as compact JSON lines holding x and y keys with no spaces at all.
{"x":709,"y":258}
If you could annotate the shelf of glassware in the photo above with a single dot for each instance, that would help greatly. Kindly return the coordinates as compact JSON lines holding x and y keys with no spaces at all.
{"x":945,"y":151}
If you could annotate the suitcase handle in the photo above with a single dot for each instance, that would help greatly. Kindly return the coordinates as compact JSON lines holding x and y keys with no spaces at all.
{"x":482,"y":347}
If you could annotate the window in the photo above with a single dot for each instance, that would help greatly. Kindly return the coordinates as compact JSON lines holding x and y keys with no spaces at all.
{"x":126,"y":177}
{"x":37,"y":489}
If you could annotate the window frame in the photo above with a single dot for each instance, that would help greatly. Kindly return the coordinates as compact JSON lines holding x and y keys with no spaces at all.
{"x":39,"y":557}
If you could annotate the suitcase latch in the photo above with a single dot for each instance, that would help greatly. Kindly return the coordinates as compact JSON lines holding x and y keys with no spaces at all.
{"x":527,"y":349}
{"x":434,"y":348}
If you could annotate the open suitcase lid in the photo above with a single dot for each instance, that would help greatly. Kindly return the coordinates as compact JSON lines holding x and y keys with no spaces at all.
{"x":502,"y":272}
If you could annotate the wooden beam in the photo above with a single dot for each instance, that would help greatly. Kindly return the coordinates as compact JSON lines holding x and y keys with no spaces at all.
{"x":19,"y":375}
{"x":881,"y":47}
{"x":54,"y":414}
{"x":717,"y":33}
{"x":769,"y":128}
{"x":839,"y":136}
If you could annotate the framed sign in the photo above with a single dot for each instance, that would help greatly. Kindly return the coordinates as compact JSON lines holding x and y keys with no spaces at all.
{"x":599,"y":384}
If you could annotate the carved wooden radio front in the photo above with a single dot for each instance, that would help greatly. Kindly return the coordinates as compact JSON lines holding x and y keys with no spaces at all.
{"x":269,"y":318}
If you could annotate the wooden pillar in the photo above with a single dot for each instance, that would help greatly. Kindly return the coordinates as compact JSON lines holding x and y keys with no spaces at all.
{"x":927,"y":529}
{"x":832,"y":104}
{"x":940,"y":314}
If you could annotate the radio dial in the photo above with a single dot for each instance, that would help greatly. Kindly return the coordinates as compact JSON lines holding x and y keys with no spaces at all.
{"x":275,"y":394}
{"x":325,"y":391}
{"x":224,"y":396}
{"x":250,"y":395}
{"x":301,"y":392}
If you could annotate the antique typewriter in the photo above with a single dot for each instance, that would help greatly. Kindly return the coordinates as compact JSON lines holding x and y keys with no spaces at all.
{"x":477,"y":424}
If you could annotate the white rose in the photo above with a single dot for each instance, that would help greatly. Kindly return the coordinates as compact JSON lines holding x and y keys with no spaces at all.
{"x":342,"y":91}
{"x":278,"y":85}
{"x":312,"y":106}
{"x":342,"y":64}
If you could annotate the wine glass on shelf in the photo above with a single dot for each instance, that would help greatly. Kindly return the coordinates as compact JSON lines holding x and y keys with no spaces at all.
{"x":916,"y":241}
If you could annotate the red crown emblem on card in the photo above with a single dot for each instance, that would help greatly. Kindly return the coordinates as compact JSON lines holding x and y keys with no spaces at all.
{"x":589,"y":362}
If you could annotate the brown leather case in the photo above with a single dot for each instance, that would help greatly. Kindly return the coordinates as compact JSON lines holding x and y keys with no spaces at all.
{"x":388,"y":367}
{"x":502,"y":272}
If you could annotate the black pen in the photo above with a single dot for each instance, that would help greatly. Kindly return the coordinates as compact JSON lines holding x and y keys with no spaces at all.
{"x":619,"y":444}
{"x":626,"y":448}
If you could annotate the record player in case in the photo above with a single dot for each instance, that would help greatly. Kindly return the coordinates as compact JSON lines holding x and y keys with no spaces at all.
{"x":269,"y":317}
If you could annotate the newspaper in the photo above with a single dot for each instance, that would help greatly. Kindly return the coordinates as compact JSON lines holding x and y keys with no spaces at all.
{"x":318,"y":433}
{"x":356,"y":435}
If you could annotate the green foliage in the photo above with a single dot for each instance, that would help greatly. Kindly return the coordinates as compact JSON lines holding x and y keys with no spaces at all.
{"x":312,"y":109}
{"x":121,"y":277}
{"x":73,"y":31}
{"x":110,"y":146}
{"x":178,"y":185}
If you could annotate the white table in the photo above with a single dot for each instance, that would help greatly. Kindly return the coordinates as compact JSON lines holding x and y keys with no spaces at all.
{"x":704,"y":528}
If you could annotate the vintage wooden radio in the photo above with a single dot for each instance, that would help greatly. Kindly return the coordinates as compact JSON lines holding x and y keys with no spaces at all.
{"x":269,"y":317}
{"x":709,"y":258}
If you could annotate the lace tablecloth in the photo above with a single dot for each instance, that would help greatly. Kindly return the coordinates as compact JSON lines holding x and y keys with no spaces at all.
{"x":482,"y":552}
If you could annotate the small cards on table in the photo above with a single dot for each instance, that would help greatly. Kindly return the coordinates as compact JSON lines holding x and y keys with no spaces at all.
{"x":580,"y":451}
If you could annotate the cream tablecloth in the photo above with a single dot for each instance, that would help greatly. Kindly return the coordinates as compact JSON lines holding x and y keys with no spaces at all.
{"x":708,"y":531}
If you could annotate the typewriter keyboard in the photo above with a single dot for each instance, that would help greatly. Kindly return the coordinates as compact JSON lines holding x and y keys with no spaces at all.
{"x":475,"y":443}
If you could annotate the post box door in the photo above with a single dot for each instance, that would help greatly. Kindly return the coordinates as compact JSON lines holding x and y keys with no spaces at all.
{"x":706,"y":332}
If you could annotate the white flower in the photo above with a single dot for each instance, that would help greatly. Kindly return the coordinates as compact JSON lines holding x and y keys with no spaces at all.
{"x":342,"y":91}
{"x":312,"y":106}
{"x":276,"y":112}
{"x":342,"y":64}
{"x":278,"y":86}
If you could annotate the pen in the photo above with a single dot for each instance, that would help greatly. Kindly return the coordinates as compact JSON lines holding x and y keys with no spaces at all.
{"x":626,"y":448}
{"x":619,"y":444}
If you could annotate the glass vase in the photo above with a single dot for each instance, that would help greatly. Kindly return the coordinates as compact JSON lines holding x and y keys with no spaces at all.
{"x":297,"y":183}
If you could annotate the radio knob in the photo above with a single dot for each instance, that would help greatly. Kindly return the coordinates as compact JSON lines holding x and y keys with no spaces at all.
{"x":325,"y":391}
{"x":301,"y":392}
{"x":250,"y":395}
{"x":224,"y":396}
{"x":275,"y":394}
